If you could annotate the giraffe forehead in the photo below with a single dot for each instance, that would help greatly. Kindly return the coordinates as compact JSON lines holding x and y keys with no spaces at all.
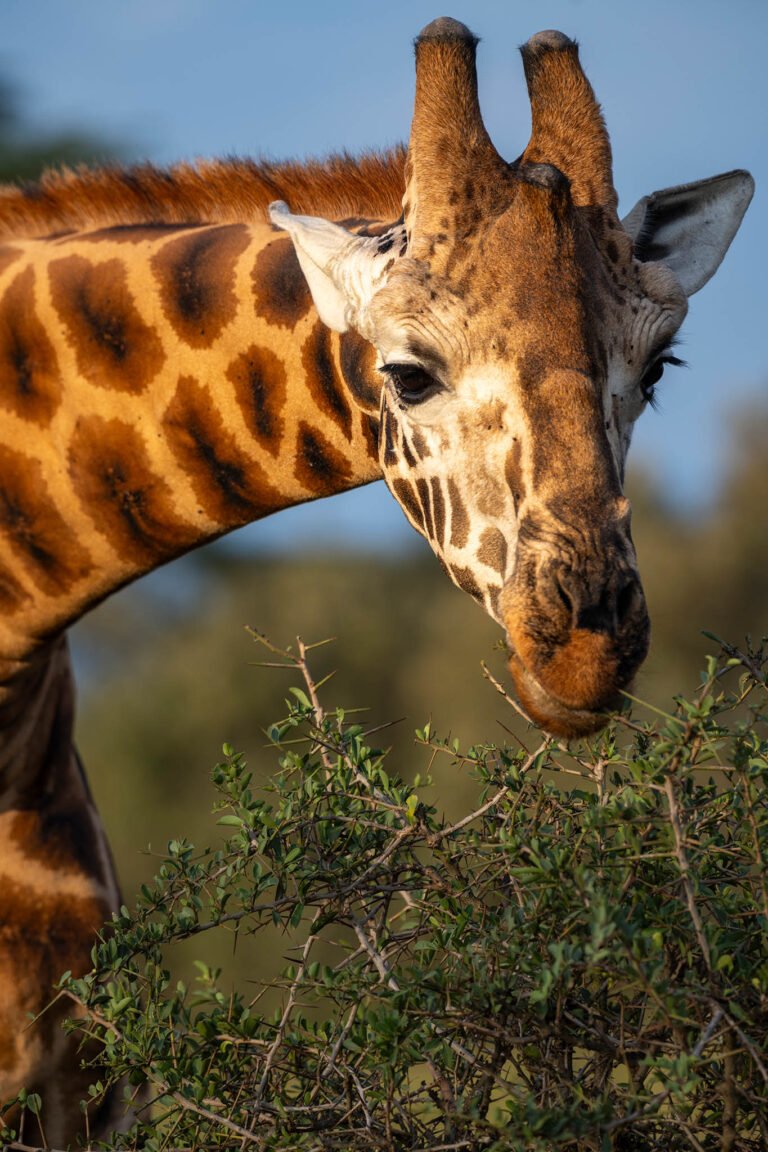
{"x":542,"y":276}
{"x":501,"y":301}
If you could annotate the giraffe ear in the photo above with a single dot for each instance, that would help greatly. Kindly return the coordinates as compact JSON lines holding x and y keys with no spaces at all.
{"x":343,"y":271}
{"x":690,"y":228}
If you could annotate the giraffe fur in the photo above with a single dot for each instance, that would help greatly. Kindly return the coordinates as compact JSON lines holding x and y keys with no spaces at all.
{"x":482,"y":334}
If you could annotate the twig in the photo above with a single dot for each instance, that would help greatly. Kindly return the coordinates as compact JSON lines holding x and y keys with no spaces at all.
{"x":653,"y":1104}
{"x":682,"y":860}
{"x":287,"y":1010}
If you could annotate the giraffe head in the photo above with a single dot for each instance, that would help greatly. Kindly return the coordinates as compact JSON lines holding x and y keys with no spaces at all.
{"x":520,"y":329}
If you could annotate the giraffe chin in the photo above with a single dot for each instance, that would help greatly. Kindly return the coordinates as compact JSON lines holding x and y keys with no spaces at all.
{"x":554,"y":715}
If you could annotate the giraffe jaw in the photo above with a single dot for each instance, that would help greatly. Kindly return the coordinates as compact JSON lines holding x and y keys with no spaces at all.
{"x":552,"y":714}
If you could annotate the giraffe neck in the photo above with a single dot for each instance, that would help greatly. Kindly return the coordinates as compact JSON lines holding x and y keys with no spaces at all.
{"x":159,"y":386}
{"x":57,"y":885}
{"x":161,"y":383}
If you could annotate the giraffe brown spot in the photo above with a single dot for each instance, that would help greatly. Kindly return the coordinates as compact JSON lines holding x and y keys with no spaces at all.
{"x":196,"y":273}
{"x":405,"y":494}
{"x":323,"y":381}
{"x":465,"y":579}
{"x":320,"y":467}
{"x":390,"y":452}
{"x":493,"y":550}
{"x":229,"y":484}
{"x":261,"y":387}
{"x":459,"y":516}
{"x":438,"y":510}
{"x":420,"y":446}
{"x":280,"y":290}
{"x":408,"y":454}
{"x":33,"y":526}
{"x":60,"y":837}
{"x":46,"y":935}
{"x":370,"y":427}
{"x":423,"y":490}
{"x":8,"y":255}
{"x":513,"y":471}
{"x":357,"y":359}
{"x":129,"y":503}
{"x":493,"y":595}
{"x":30,"y":381}
{"x":113,"y":346}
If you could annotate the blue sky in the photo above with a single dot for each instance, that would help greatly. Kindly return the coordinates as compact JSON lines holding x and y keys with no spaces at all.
{"x":683,"y":83}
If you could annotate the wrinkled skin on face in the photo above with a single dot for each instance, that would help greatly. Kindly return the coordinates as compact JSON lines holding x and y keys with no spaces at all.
{"x":519,"y":334}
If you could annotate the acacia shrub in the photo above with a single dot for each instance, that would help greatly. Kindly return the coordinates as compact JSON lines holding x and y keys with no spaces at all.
{"x":561,"y":968}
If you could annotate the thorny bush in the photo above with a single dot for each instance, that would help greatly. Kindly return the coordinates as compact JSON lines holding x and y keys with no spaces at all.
{"x":580,"y":967}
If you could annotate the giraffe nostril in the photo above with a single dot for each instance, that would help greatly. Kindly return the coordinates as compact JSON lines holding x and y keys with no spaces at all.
{"x":565,"y":598}
{"x":625,"y":600}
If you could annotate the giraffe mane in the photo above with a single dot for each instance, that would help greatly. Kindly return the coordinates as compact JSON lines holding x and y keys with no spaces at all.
{"x":207,"y":192}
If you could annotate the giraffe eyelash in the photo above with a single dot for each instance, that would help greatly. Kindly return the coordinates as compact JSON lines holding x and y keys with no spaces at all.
{"x":650,"y":380}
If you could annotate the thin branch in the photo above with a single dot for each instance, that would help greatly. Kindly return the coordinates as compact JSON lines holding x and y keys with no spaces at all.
{"x":685,"y":870}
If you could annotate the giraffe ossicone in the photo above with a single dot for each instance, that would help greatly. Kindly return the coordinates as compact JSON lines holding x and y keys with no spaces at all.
{"x":520,"y":331}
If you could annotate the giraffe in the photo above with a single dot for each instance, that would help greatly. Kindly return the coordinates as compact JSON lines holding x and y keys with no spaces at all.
{"x":182,"y":353}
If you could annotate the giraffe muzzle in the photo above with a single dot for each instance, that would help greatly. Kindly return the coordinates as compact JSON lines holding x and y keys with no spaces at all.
{"x":575,"y":650}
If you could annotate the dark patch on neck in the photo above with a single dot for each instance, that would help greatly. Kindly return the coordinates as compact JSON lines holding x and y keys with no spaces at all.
{"x":30,"y":379}
{"x":320,"y":467}
{"x":280,"y":291}
{"x":261,"y":388}
{"x":38,"y":534}
{"x":113,"y":345}
{"x":196,"y":272}
{"x":231,"y":487}
{"x":323,"y":380}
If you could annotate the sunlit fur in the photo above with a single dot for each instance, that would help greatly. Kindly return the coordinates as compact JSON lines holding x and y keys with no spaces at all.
{"x":210,"y":192}
{"x":165,"y":378}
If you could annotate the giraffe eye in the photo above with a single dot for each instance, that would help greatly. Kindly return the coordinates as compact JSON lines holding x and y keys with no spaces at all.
{"x":650,"y":380}
{"x":654,"y":374}
{"x":412,"y":383}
